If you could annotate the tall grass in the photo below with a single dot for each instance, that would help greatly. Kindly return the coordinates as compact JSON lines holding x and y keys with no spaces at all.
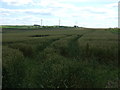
{"x":13,"y":68}
{"x":80,"y":60}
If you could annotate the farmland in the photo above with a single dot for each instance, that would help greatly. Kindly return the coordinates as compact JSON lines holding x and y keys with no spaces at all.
{"x":60,"y":57}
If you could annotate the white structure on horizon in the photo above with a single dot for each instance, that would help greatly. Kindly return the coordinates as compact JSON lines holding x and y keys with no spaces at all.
{"x":59,"y":22}
{"x":41,"y":22}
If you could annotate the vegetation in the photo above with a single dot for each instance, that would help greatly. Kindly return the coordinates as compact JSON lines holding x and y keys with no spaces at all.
{"x":60,"y":58}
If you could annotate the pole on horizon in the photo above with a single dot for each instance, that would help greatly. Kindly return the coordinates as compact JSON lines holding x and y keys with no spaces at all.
{"x":41,"y":22}
{"x":76,"y":23}
{"x":59,"y":22}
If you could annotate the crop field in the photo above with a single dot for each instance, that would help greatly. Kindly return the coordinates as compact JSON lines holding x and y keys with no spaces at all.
{"x":60,"y":58}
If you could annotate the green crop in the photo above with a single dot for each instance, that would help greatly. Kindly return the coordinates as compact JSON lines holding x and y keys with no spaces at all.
{"x":60,"y":58}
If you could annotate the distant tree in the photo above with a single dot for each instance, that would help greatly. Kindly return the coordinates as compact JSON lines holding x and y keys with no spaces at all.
{"x":36,"y":25}
{"x":75,"y":26}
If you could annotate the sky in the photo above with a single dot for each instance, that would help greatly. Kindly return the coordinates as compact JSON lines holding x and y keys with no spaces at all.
{"x":84,"y":13}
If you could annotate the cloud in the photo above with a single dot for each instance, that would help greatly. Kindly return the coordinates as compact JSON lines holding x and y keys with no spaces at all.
{"x":17,"y":2}
{"x":38,"y":13}
{"x":67,"y":10}
{"x":49,"y":2}
{"x":26,"y":11}
{"x":112,"y":5}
